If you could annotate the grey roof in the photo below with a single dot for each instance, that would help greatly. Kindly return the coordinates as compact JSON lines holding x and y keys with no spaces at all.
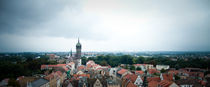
{"x":39,"y":82}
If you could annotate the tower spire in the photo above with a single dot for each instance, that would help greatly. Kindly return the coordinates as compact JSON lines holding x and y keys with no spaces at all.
{"x":71,"y":52}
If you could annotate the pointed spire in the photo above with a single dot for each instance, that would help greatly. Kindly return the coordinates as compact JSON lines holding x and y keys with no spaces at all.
{"x":71,"y":52}
{"x":78,"y":44}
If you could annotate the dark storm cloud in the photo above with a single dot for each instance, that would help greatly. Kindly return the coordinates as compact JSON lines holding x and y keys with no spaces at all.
{"x":16,"y":15}
{"x":33,"y":18}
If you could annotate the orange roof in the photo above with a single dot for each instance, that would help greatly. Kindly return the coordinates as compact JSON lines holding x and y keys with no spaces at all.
{"x":90,"y":62}
{"x":153,"y":84}
{"x":152,"y":71}
{"x":51,"y":76}
{"x":122,"y":71}
{"x":175,"y":72}
{"x":52,"y":66}
{"x":59,"y":73}
{"x":127,"y":76}
{"x":139,"y":64}
{"x":153,"y":79}
{"x":83,"y":75}
{"x":168,"y":77}
{"x":80,"y":68}
{"x":95,"y":65}
{"x":61,"y":64}
{"x":89,"y":65}
{"x":130,"y":84}
{"x":64,"y":67}
{"x":133,"y":77}
{"x":139,"y":72}
{"x":165,"y":83}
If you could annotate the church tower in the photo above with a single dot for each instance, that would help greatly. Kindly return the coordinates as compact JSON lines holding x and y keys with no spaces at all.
{"x":78,"y":50}
{"x":78,"y":53}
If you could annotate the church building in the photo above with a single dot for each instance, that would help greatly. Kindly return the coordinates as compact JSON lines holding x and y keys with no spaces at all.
{"x":77,"y":57}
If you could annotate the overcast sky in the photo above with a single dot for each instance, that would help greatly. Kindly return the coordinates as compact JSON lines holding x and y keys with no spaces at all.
{"x":104,"y":25}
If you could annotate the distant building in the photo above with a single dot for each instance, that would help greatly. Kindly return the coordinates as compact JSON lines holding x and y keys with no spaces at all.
{"x":188,"y":83}
{"x":113,"y":82}
{"x":144,"y":67}
{"x":160,"y":67}
{"x":97,"y":83}
{"x":53,"y":57}
{"x":54,"y":79}
{"x":113,"y":72}
{"x":83,"y":82}
{"x":139,"y":81}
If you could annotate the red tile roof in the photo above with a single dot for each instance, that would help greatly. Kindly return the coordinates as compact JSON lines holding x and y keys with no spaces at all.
{"x":139,"y":72}
{"x":168,"y":77}
{"x":132,"y":77}
{"x":152,"y":71}
{"x":165,"y":83}
{"x":81,"y":68}
{"x":52,"y":66}
{"x":130,"y":84}
{"x":153,"y":79}
{"x":71,"y":63}
{"x":153,"y":84}
{"x":89,"y":66}
{"x":61,"y":64}
{"x":122,"y":71}
{"x":51,"y":76}
{"x":127,"y":76}
{"x":175,"y":72}
{"x":90,"y":62}
{"x":59,"y":73}
{"x":76,"y":76}
{"x":64,"y":67}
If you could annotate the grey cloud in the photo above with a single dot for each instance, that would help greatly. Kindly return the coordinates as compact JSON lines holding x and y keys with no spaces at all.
{"x":32,"y":17}
{"x":183,"y":24}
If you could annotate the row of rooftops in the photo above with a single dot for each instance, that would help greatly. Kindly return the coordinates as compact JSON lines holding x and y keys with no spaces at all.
{"x":91,"y":65}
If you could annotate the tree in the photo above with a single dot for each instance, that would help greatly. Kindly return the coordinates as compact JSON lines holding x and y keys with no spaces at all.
{"x":12,"y":82}
{"x":162,"y":70}
{"x":140,"y":59}
{"x":176,"y":77}
{"x":138,"y":68}
{"x":103,"y":63}
{"x":126,"y":66}
{"x":126,"y":59}
{"x":132,"y":67}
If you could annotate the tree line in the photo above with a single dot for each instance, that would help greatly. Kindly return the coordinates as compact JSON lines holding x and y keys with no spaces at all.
{"x":15,"y":66}
{"x":114,"y":61}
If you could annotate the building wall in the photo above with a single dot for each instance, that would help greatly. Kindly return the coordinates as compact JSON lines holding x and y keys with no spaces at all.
{"x":45,"y":85}
{"x":159,"y":67}
{"x":117,"y":85}
{"x":173,"y":85}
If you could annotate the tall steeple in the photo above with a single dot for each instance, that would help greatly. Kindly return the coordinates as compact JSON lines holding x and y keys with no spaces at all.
{"x":78,"y":49}
{"x":71,"y":53}
{"x":78,"y":43}
{"x":78,"y":53}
